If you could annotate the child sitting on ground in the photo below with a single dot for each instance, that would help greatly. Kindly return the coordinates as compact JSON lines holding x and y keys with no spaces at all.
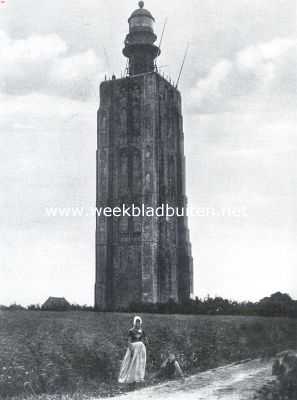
{"x":169,"y":369}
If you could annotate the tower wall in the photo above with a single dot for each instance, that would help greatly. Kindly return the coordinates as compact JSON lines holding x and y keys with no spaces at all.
{"x":140,"y":160}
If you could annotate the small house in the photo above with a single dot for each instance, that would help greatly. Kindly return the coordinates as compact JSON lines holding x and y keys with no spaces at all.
{"x":56,"y":304}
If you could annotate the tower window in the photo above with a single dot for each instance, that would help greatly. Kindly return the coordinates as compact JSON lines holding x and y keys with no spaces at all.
{"x":124,"y":224}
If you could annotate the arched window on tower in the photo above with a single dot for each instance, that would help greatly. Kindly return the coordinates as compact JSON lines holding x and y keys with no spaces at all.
{"x":123,"y":122}
{"x":136,"y":171}
{"x":137,"y":224}
{"x":124,"y":171}
{"x":171,"y":176}
{"x":103,"y":128}
{"x":124,"y":224}
{"x":136,"y":121}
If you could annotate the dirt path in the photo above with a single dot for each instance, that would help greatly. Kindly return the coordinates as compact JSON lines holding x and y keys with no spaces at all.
{"x":232,"y":382}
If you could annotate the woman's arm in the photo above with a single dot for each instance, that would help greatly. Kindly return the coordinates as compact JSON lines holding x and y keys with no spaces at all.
{"x":145,"y":339}
{"x":130,"y":343}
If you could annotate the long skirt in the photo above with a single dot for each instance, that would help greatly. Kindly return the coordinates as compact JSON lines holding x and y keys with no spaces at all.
{"x":133,"y":364}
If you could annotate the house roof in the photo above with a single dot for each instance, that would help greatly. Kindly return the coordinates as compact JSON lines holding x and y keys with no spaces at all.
{"x":56,"y":301}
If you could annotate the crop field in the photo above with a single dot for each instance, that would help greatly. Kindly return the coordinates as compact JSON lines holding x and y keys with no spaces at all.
{"x":81,"y":352}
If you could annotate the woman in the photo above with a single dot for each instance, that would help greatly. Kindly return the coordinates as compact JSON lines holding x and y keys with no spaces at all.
{"x":134,"y":362}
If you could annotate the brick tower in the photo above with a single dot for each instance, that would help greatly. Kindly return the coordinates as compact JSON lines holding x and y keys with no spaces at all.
{"x":140,"y":161}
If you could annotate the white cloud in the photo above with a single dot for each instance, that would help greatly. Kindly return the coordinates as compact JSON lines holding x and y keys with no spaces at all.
{"x":35,"y":106}
{"x":43,"y":63}
{"x":210,"y":86}
{"x":261,"y":70}
{"x":264,"y":53}
{"x":35,"y":48}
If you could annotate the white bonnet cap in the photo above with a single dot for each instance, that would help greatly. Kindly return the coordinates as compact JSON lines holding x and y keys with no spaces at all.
{"x":137,"y":318}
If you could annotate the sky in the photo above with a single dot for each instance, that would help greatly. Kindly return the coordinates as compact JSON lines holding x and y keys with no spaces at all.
{"x":239,"y":106}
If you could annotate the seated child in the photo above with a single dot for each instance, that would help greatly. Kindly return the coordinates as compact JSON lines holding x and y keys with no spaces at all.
{"x":169,"y":369}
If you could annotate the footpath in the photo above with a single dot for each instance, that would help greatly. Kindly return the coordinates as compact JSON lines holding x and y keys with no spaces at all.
{"x":239,"y":381}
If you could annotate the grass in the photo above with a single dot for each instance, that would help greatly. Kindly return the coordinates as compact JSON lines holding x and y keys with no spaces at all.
{"x":81,"y":352}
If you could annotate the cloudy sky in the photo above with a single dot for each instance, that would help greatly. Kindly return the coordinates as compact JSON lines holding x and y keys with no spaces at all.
{"x":239,"y":104}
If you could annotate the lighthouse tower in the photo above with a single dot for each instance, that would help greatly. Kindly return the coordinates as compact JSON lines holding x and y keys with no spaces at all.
{"x":140,"y":162}
{"x":139,"y":43}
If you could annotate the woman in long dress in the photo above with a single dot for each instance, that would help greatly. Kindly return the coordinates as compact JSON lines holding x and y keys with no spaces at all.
{"x":134,"y":362}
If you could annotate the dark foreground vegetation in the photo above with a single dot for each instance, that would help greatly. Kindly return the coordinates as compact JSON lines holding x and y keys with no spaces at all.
{"x":285,"y":385}
{"x":70,"y":352}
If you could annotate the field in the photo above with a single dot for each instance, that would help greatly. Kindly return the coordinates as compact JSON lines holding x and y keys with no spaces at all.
{"x":44,"y":352}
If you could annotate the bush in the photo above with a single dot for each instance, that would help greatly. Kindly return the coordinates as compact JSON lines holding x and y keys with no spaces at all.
{"x":277,"y":305}
{"x":285,"y":387}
